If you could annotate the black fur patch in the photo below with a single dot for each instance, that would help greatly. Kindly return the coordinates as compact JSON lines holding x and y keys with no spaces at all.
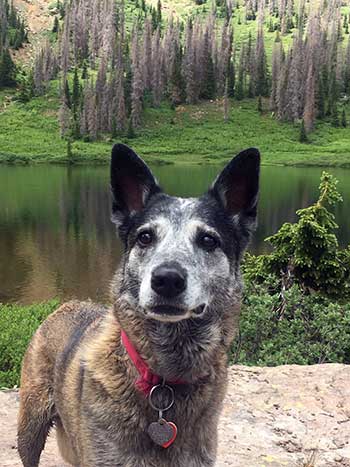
{"x":86,"y":318}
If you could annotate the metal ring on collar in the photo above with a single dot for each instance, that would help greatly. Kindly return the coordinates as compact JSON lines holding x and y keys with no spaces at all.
{"x":151,"y":395}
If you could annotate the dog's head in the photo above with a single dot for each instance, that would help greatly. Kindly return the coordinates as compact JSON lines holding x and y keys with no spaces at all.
{"x":182,"y":256}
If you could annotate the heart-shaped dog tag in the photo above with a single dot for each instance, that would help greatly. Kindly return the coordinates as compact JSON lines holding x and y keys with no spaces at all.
{"x":162,"y":433}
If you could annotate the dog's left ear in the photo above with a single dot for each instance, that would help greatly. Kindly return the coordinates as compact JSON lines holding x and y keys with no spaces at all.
{"x":237,"y":186}
{"x":132,"y":183}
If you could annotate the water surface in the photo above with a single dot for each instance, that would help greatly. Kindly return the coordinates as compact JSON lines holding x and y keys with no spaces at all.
{"x":56,"y":238}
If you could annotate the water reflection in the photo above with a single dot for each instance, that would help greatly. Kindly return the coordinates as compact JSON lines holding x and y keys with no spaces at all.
{"x":56,"y":238}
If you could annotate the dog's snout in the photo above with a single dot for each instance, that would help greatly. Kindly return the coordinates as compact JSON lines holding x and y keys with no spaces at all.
{"x":168,"y":280}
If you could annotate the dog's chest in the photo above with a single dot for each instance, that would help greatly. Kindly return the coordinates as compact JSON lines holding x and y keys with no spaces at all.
{"x":122,"y":430}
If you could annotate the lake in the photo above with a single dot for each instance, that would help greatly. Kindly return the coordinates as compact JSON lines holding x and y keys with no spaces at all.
{"x":56,"y":238}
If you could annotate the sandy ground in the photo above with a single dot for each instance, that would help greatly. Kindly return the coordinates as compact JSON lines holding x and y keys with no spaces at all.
{"x":284,"y":416}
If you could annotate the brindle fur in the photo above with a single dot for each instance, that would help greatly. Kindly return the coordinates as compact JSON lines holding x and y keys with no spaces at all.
{"x":78,"y":377}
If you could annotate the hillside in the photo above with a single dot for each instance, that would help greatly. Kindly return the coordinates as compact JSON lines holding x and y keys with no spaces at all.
{"x":293,"y":416}
{"x":189,"y":134}
{"x":246,"y":84}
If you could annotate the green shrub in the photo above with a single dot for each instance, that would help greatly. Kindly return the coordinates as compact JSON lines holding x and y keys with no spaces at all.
{"x":296,"y":308}
{"x":17,"y":326}
{"x":291,"y":327}
{"x":307,"y":252}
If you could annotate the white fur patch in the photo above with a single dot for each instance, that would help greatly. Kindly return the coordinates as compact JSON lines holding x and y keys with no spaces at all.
{"x":177,"y":242}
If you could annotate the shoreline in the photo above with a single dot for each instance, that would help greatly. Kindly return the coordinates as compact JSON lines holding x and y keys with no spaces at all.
{"x":78,"y":160}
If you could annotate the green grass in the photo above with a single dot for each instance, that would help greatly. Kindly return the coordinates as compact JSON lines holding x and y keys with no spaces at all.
{"x":17,"y":326}
{"x":190,"y":134}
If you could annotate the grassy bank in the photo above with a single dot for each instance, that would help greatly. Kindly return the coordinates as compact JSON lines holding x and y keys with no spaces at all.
{"x":189,"y":134}
{"x":17,"y":325}
{"x":312,"y":330}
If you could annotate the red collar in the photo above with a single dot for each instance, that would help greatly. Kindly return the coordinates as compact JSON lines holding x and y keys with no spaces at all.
{"x":147,"y":378}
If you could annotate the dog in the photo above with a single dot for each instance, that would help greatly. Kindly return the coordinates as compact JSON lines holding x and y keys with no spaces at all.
{"x":141,"y":384}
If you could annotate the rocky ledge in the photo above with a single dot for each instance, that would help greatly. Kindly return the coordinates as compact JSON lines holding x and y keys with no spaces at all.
{"x":284,"y":416}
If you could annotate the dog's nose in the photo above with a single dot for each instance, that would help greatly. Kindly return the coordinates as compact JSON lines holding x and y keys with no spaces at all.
{"x":168,"y":281}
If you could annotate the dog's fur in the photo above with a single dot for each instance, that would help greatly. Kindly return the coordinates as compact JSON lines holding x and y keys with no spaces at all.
{"x":76,"y":373}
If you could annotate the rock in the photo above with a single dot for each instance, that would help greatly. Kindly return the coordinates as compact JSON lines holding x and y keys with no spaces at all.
{"x":283,"y":416}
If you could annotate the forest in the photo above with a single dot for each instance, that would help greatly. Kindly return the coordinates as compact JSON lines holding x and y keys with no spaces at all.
{"x":197,"y":59}
{"x":107,"y":64}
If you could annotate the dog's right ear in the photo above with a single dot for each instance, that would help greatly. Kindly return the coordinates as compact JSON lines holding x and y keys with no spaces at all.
{"x":132,"y":183}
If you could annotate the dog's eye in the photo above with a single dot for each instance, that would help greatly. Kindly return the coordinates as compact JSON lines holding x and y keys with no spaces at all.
{"x":208,"y":242}
{"x":145,"y":238}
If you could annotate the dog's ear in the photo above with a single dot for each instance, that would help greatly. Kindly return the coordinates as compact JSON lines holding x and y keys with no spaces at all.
{"x":132,"y":183}
{"x":237,"y":186}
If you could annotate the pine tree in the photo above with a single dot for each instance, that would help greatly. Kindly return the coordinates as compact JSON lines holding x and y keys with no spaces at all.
{"x":260,"y":106}
{"x":128,"y":87}
{"x":65,"y":45}
{"x":303,"y":136}
{"x":250,"y":67}
{"x":189,"y":66}
{"x":136,"y":96}
{"x":159,"y":13}
{"x":39,"y":80}
{"x":88,"y":119}
{"x":84,"y":73}
{"x":282,"y":102}
{"x":309,"y":115}
{"x":64,"y":119}
{"x":320,"y":98}
{"x":226,"y":103}
{"x":332,"y":95}
{"x":335,"y":116}
{"x":343,"y":119}
{"x":222,"y":58}
{"x":277,"y":63}
{"x":176,"y":80}
{"x":239,"y":94}
{"x":295,"y":89}
{"x":156,"y":70}
{"x":121,"y":109}
{"x":208,"y":85}
{"x":25,"y":87}
{"x":114,"y":132}
{"x":56,"y":25}
{"x":70,"y":156}
{"x":347,"y":69}
{"x":7,"y":69}
{"x":67,"y":96}
{"x":147,"y":55}
{"x":154,"y":18}
{"x":131,"y":132}
{"x":76,"y":92}
{"x":231,"y":79}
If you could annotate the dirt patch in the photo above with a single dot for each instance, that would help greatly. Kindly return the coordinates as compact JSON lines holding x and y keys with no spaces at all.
{"x":285,"y":416}
{"x":38,"y":20}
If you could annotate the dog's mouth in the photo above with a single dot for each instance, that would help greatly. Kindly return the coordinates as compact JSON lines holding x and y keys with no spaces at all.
{"x":174,"y":313}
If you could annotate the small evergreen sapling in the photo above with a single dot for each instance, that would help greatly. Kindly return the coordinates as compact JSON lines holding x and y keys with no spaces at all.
{"x":308,"y":252}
